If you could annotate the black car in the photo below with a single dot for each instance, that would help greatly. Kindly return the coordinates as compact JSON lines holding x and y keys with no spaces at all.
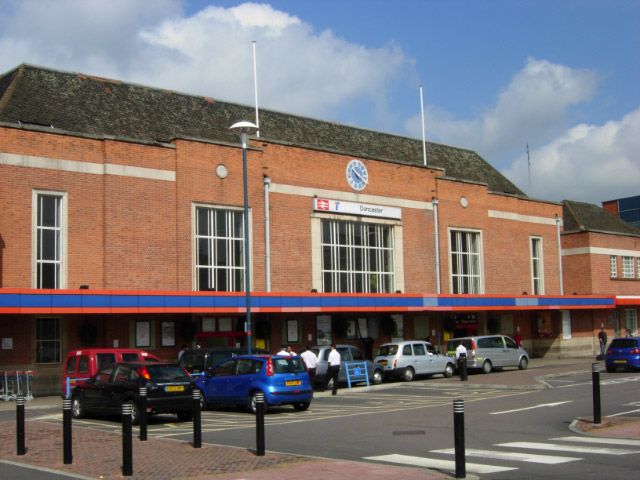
{"x":169,"y":390}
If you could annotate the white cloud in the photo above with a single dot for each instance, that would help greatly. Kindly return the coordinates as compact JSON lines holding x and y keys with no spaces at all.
{"x":589,"y":163}
{"x":533,"y":106}
{"x":208,"y":53}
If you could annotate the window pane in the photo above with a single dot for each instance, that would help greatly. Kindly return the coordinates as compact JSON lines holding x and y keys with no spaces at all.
{"x":203,"y":252}
{"x":49,"y":214}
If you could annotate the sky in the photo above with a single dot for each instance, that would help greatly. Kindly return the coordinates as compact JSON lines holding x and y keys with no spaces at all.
{"x":562,"y":77}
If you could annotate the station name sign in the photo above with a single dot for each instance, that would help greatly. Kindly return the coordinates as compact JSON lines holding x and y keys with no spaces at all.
{"x":351,"y":208}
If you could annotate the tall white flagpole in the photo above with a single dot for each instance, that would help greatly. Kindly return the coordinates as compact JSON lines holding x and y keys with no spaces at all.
{"x":255,"y":87}
{"x":424,"y":137}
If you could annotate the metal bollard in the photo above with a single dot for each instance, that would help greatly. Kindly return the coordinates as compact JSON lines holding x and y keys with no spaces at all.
{"x":458,"y":432}
{"x":127,"y":447}
{"x":66,"y":432}
{"x":197,"y":420}
{"x":260,"y":424}
{"x":21,"y":450}
{"x":595,"y":380}
{"x":142,"y":393}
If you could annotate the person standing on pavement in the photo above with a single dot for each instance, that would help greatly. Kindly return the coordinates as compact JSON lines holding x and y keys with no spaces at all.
{"x":290,"y":351}
{"x":182,"y":350}
{"x":602,"y":338}
{"x":311,"y":361}
{"x":333,"y":370}
{"x":283,"y":351}
{"x":461,"y":360}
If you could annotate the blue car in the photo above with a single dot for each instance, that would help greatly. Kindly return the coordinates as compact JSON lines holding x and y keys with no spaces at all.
{"x":236,"y":381}
{"x":623,"y":353}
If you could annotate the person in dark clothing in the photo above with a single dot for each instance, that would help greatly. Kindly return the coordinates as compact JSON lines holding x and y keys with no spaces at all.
{"x":602,"y":338}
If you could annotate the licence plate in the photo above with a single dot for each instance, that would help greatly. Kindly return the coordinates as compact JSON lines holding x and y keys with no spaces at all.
{"x":619,"y":361}
{"x":293,"y":383}
{"x":174,"y":388}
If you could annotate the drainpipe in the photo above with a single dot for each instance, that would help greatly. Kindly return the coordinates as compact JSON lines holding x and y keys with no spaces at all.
{"x":436,"y":236}
{"x":559,"y":254}
{"x":267,"y":242}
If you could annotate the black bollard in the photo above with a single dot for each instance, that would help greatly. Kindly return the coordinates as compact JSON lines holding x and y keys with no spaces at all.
{"x":458,"y":432}
{"x":462,"y":366}
{"x":66,"y":432}
{"x":21,"y":450}
{"x":260,"y":424}
{"x":127,"y":447}
{"x":197,"y":420}
{"x":595,"y":380}
{"x":142,"y":393}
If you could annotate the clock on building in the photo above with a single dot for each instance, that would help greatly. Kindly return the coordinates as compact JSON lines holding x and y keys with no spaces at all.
{"x":357,"y":175}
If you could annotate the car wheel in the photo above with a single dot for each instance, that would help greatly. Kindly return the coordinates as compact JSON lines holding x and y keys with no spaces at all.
{"x":409,"y":374}
{"x":203,"y":401}
{"x":486,"y":367}
{"x":301,"y":406}
{"x":448,"y":371}
{"x":524,"y":363}
{"x":253,"y":403}
{"x":77,"y":407}
{"x":185,"y":416}
{"x":135,"y":412}
{"x":377,"y":377}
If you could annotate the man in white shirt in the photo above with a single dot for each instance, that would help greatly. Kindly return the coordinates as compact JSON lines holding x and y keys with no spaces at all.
{"x":283,"y":351}
{"x":333,"y":370}
{"x":311,"y":361}
{"x":461,"y":360}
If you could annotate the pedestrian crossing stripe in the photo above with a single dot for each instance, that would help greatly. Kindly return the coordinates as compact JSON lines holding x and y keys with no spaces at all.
{"x":627,"y":442}
{"x":438,"y":464}
{"x":567,"y":448}
{"x":516,"y":456}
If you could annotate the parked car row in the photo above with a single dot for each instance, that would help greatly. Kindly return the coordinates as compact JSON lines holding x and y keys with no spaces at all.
{"x":227,"y":377}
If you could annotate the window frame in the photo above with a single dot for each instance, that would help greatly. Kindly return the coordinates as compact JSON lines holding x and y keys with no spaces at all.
{"x":37,"y":229}
{"x":631,"y":319}
{"x":537,"y":283}
{"x":211,"y":238}
{"x":628,"y":267}
{"x":479,"y":254}
{"x":57,"y":340}
{"x":613,"y":266}
{"x":377,"y":261}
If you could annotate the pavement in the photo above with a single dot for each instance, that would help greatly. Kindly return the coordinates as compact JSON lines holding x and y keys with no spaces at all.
{"x":98,"y":454}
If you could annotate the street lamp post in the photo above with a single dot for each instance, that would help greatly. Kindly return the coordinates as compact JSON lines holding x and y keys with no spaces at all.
{"x":244,"y":129}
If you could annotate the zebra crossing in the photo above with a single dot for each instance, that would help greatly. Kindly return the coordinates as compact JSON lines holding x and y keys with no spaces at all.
{"x":514,"y":453}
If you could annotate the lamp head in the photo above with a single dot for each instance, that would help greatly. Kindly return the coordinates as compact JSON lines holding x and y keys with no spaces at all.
{"x":244,"y":129}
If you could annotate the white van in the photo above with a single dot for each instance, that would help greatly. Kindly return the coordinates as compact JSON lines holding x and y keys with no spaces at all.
{"x":409,"y":358}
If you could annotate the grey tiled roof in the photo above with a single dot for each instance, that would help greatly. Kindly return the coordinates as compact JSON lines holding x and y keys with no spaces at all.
{"x":90,"y":105}
{"x":579,"y":216}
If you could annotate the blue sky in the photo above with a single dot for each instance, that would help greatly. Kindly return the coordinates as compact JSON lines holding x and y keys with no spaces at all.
{"x":560,"y":75}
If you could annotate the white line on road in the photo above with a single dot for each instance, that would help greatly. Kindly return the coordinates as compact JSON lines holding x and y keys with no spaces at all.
{"x":623,"y":413}
{"x":567,"y":448}
{"x":519,"y":456}
{"x":605,"y":441}
{"x":542,"y":405}
{"x":440,"y":464}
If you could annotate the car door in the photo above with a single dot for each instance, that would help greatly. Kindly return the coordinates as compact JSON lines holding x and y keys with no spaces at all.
{"x":113,"y":391}
{"x":94,"y":391}
{"x":240,"y":384}
{"x":421,"y":361}
{"x":512,"y":354}
{"x":217,"y":383}
{"x":345,"y":356}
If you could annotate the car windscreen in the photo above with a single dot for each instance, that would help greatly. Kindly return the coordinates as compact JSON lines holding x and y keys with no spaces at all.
{"x":288,"y":365}
{"x":623,"y":343}
{"x":167,"y":373}
{"x":192,"y":360}
{"x":387,"y":350}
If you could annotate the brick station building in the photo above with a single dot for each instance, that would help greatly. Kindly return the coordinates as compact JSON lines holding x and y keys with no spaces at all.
{"x":121,"y":225}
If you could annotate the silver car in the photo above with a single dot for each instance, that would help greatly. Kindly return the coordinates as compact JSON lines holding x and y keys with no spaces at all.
{"x":348,"y":353}
{"x":488,"y":352}
{"x":409,"y":358}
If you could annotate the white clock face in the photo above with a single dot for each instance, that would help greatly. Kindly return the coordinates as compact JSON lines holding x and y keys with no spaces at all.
{"x":357,"y":175}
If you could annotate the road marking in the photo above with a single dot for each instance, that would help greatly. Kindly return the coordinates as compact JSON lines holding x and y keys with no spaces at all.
{"x":606,"y":441}
{"x":623,"y":413}
{"x":519,"y":456}
{"x":567,"y":448}
{"x":542,"y":405}
{"x":45,"y":470}
{"x":439,"y":464}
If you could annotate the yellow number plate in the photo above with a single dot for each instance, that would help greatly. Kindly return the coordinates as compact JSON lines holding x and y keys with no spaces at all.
{"x":174,"y":388}
{"x":619,"y":361}
{"x":293,"y":383}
